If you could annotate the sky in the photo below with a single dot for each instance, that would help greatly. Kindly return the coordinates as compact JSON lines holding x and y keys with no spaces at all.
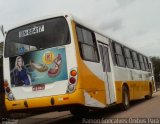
{"x":135,"y":23}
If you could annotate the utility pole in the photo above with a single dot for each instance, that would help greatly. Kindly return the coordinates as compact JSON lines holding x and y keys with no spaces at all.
{"x":2,"y":30}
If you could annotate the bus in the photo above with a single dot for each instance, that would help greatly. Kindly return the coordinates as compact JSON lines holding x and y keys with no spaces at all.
{"x":60,"y":63}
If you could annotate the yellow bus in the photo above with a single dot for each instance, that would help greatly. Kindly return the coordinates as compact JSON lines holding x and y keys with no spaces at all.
{"x":60,"y":63}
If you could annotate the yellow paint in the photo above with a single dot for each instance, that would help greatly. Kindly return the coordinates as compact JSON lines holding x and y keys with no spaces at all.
{"x":14,"y":105}
{"x":137,"y":89}
{"x":118,"y":85}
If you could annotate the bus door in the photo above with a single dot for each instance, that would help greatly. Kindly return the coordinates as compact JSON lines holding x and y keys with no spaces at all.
{"x":107,"y":72}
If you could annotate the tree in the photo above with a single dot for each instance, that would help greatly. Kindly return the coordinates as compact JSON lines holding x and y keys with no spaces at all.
{"x":156,"y":69}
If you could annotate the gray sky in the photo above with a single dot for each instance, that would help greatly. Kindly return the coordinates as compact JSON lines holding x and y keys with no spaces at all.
{"x":133,"y":22}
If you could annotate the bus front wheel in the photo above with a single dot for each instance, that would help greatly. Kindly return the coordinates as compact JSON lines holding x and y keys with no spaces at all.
{"x":125,"y":99}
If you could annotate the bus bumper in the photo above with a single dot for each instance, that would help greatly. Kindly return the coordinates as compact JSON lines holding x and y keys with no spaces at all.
{"x":46,"y":102}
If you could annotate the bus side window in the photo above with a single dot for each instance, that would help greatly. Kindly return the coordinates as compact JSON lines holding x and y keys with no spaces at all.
{"x":112,"y":52}
{"x":87,"y":44}
{"x":141,"y":62}
{"x":79,"y":34}
{"x":104,"y":53}
{"x":102,"y":57}
{"x":135,"y":60}
{"x":106,"y":59}
{"x":150,"y":67}
{"x":128,"y":57}
{"x":146,"y":63}
{"x":119,"y":55}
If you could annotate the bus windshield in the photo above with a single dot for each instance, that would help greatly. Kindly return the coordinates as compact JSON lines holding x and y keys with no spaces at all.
{"x":38,"y":35}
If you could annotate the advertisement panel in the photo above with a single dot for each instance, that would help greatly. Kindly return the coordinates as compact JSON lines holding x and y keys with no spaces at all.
{"x":38,"y":67}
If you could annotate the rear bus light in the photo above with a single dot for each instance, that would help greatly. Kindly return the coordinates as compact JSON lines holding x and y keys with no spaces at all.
{"x":10,"y":96}
{"x":73,"y":73}
{"x":70,"y":87}
{"x":5,"y":84}
{"x":8,"y":91}
{"x":72,"y":80}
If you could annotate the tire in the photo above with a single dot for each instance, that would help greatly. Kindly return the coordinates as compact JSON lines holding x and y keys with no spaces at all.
{"x":149,"y":96}
{"x":80,"y":112}
{"x":125,"y":99}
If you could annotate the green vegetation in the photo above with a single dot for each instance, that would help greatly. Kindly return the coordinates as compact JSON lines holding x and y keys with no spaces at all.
{"x":156,"y":68}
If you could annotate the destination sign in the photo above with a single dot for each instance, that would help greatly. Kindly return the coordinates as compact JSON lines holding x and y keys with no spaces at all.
{"x":31,"y":31}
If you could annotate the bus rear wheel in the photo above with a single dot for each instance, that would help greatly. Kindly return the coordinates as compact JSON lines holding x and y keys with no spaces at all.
{"x":125,"y":99}
{"x":149,"y":96}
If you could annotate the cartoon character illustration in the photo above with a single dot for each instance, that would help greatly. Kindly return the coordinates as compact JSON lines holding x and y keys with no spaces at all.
{"x":19,"y":73}
{"x":54,"y":71}
{"x":38,"y":67}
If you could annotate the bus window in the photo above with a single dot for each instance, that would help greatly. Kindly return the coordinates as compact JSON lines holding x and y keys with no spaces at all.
{"x":112,"y":51}
{"x":141,"y":62}
{"x":119,"y":55}
{"x":102,"y":57}
{"x":135,"y":60}
{"x":39,"y":35}
{"x":146,"y":63}
{"x":128,"y":57}
{"x":79,"y":34}
{"x":105,"y":58}
{"x":150,"y":67}
{"x":87,"y":44}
